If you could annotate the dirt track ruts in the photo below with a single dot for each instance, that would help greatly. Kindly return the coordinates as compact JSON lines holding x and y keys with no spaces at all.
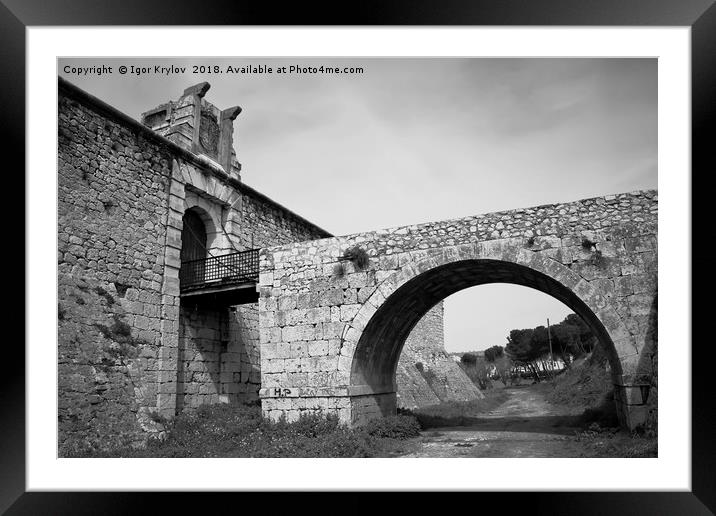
{"x":525,"y":425}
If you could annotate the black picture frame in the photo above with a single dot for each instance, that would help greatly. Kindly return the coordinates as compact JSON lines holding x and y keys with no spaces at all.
{"x":700,"y":15}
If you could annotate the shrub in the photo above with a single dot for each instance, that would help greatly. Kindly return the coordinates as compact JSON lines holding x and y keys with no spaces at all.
{"x":120,"y":328}
{"x":358,"y":256}
{"x":588,"y":244}
{"x":308,"y":425}
{"x":429,"y":376}
{"x":468,"y":358}
{"x":158,"y":418}
{"x":402,"y":426}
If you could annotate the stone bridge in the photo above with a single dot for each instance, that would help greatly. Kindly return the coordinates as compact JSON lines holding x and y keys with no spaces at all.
{"x":332,"y":329}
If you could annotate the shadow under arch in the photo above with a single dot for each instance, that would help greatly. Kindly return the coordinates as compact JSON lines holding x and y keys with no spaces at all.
{"x":376,"y":353}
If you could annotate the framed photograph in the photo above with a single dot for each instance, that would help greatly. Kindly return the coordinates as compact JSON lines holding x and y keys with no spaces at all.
{"x":438,"y":227}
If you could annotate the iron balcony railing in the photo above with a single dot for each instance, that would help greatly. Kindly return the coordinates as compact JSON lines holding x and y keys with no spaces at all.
{"x":241,"y":267}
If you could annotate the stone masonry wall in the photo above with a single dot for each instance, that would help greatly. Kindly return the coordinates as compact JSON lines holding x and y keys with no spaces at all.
{"x":264,"y":225}
{"x":126,"y":356}
{"x":112,"y":210}
{"x":218,"y":361}
{"x":426,"y":374}
{"x":231,"y":375}
{"x":597,"y":255}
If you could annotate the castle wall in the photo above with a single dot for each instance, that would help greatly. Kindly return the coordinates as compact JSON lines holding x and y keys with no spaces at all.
{"x":218,"y":358}
{"x":426,"y":374}
{"x":218,"y":348}
{"x":130,"y":353}
{"x":112,"y":212}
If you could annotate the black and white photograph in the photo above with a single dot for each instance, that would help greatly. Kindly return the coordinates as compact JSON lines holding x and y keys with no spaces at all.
{"x":393,"y":246}
{"x":448,"y":257}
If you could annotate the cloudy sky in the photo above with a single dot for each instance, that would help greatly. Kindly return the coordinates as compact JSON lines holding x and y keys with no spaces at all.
{"x":415,"y":140}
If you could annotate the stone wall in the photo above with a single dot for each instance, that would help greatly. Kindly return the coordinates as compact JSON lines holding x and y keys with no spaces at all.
{"x":129,"y":351}
{"x":112,"y":211}
{"x":598,"y":256}
{"x":218,"y":356}
{"x":264,"y":225}
{"x":250,"y":221}
{"x":426,"y":374}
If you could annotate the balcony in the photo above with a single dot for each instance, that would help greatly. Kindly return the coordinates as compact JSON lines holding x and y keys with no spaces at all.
{"x":224,"y":280}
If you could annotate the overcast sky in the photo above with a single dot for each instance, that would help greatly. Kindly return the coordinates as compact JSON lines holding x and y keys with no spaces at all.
{"x":417,"y":140}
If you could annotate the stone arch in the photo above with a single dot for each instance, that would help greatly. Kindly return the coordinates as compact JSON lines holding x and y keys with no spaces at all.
{"x":372,"y":341}
{"x":210,"y":214}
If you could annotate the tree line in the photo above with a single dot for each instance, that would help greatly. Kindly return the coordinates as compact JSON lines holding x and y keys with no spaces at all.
{"x":530,"y":348}
{"x":570,"y":338}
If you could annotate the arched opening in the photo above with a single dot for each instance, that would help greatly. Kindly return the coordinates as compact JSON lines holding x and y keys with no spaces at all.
{"x":461,"y":351}
{"x":197,"y":227}
{"x":193,"y":237}
{"x":377,"y":352}
{"x":201,"y":329}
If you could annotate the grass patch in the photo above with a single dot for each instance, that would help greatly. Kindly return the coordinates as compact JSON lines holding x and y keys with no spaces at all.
{"x":610,"y":442}
{"x":584,"y":385}
{"x":604,"y":414}
{"x":457,"y":413}
{"x":241,"y":431}
{"x":402,"y":426}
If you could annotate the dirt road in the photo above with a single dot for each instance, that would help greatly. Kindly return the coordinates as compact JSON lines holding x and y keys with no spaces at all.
{"x":525,"y":425}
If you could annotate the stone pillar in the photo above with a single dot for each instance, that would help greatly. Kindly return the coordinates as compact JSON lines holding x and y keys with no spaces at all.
{"x":169,"y":351}
{"x":631,"y":399}
{"x":372,"y":406}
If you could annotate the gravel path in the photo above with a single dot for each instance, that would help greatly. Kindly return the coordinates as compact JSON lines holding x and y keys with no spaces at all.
{"x":525,"y":425}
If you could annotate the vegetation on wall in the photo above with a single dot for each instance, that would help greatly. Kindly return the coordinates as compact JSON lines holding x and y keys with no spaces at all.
{"x":358,"y":256}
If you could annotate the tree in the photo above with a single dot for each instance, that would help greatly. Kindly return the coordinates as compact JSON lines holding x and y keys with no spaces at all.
{"x":493,"y":353}
{"x":575,"y":336}
{"x":521,"y":349}
{"x":468,"y":358}
{"x":571,"y":337}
